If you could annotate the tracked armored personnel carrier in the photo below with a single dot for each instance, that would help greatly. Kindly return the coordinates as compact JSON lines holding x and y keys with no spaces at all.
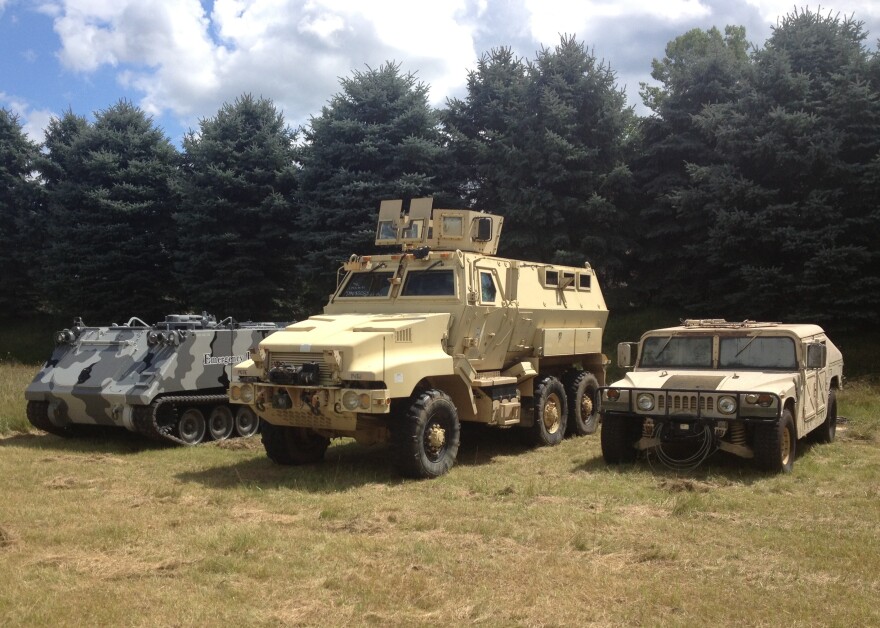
{"x":166,"y":381}
{"x":748,"y":388}
{"x":436,"y":332}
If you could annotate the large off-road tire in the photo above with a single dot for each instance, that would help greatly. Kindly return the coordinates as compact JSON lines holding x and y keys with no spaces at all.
{"x":293,"y":445}
{"x":826,"y":432}
{"x":551,"y":413}
{"x":581,"y":388}
{"x":426,"y":438}
{"x":38,"y":415}
{"x":775,"y":445}
{"x":191,"y":427}
{"x":246,"y":422}
{"x":220,"y":423}
{"x":618,"y":437}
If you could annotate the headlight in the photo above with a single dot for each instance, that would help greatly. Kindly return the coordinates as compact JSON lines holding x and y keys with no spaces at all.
{"x":727,"y":405}
{"x":645,"y":402}
{"x":350,"y":400}
{"x":613,"y":394}
{"x":247,"y":393}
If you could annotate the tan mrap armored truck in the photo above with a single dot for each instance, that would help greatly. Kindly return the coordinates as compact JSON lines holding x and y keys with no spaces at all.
{"x":751,"y":389}
{"x":441,"y":331}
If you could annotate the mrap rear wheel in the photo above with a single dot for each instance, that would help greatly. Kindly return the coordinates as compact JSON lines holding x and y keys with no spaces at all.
{"x":551,"y":413}
{"x":426,"y":438}
{"x":582,"y":388}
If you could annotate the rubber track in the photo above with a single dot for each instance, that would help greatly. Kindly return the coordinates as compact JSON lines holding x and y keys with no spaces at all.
{"x":144,"y":417}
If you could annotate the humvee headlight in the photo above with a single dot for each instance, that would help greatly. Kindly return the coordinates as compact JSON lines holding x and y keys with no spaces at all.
{"x":763,"y":399}
{"x":247,"y":393}
{"x":727,"y":405}
{"x":613,"y":394}
{"x":752,"y":398}
{"x":645,"y":402}
{"x":350,"y":400}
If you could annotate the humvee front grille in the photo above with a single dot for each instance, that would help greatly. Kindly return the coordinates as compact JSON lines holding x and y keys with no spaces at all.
{"x":295,"y":358}
{"x":686,"y":402}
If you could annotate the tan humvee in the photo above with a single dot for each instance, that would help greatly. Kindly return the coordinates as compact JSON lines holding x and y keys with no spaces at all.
{"x":751,"y":389}
{"x":415,"y":341}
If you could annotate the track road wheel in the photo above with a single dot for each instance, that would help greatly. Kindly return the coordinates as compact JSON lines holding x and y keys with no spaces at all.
{"x":618,"y":436}
{"x":220,"y":423}
{"x":426,"y":438}
{"x":191,"y":427}
{"x":826,"y":432}
{"x":551,"y":413}
{"x":246,"y":422}
{"x":293,"y":445}
{"x":581,"y":390}
{"x":775,"y":445}
{"x":38,"y":415}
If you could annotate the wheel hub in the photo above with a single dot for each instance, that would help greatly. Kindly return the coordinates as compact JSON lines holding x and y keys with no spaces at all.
{"x":435,"y":437}
{"x":551,"y":414}
{"x":586,"y":407}
{"x":785,"y":446}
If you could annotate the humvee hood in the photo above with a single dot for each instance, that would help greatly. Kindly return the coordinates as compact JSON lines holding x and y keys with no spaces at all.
{"x":738,"y":381}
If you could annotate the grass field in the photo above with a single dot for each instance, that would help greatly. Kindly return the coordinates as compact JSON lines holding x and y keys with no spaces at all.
{"x":111,"y":530}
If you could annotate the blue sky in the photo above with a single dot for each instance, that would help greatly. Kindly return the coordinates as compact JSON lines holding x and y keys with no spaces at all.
{"x":180,"y":60}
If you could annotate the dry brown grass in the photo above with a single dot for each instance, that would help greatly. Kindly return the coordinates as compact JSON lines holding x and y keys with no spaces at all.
{"x":116,"y":531}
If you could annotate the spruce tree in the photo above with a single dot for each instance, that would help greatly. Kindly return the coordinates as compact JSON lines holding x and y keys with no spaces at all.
{"x":234,"y":247}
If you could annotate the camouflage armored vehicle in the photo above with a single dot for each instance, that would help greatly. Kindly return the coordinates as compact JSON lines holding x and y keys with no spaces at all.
{"x":415,"y":341}
{"x":751,"y":389}
{"x":166,"y":381}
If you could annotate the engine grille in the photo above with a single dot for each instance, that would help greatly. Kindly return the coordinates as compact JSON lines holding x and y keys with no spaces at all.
{"x":685,"y":403}
{"x":292,"y":358}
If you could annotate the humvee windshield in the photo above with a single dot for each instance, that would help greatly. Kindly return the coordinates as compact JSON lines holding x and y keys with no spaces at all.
{"x":429,"y":283}
{"x":677,"y":351}
{"x":367,"y":284}
{"x":757,"y":352}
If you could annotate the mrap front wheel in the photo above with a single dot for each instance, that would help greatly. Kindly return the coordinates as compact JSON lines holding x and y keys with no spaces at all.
{"x":426,"y":438}
{"x":293,"y":445}
{"x":551,"y":413}
{"x":582,"y":388}
{"x":775,"y":445}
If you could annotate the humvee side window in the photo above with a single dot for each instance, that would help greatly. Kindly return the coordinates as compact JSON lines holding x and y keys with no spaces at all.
{"x":677,"y":351}
{"x":487,"y":288}
{"x":551,"y":277}
{"x":757,"y":352}
{"x":429,"y":283}
{"x":367,"y":284}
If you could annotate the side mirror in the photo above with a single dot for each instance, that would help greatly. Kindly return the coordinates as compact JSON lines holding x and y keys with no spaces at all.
{"x":817,"y":355}
{"x":626,"y":354}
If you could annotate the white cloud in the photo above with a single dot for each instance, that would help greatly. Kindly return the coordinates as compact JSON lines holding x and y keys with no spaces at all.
{"x":33,"y":121}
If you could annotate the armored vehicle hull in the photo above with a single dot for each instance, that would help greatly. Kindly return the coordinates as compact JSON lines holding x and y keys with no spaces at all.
{"x":166,"y":381}
{"x":414,"y":342}
{"x":751,"y":389}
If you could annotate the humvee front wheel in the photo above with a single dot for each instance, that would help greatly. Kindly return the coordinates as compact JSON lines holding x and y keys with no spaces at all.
{"x":426,"y":439}
{"x":826,"y":432}
{"x":775,"y":445}
{"x":551,"y":412}
{"x":246,"y":422}
{"x":191,"y":427}
{"x":583,"y":403}
{"x":220,"y":423}
{"x":293,"y":445}
{"x":618,"y":437}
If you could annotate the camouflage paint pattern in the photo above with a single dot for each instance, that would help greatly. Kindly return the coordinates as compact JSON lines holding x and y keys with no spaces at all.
{"x":97,"y":371}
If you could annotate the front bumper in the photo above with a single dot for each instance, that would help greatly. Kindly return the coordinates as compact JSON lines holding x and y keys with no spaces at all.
{"x":669,"y":404}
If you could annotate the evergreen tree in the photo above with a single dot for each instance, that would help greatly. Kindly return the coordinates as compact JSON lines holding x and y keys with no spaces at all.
{"x":19,"y":204}
{"x":700,"y":68}
{"x":376,"y":139}
{"x":234,"y":249}
{"x":545,"y":144}
{"x":109,"y":189}
{"x":792,"y":197}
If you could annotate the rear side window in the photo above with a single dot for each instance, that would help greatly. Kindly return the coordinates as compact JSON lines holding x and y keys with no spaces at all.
{"x":433,"y":283}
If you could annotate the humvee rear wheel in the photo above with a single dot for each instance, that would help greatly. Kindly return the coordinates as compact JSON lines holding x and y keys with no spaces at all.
{"x":426,"y":439}
{"x":246,"y":422}
{"x":583,"y":407}
{"x":293,"y":445}
{"x":191,"y":427}
{"x":826,"y":432}
{"x":775,"y":445}
{"x":618,"y":437}
{"x":221,"y":423}
{"x":551,"y":412}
